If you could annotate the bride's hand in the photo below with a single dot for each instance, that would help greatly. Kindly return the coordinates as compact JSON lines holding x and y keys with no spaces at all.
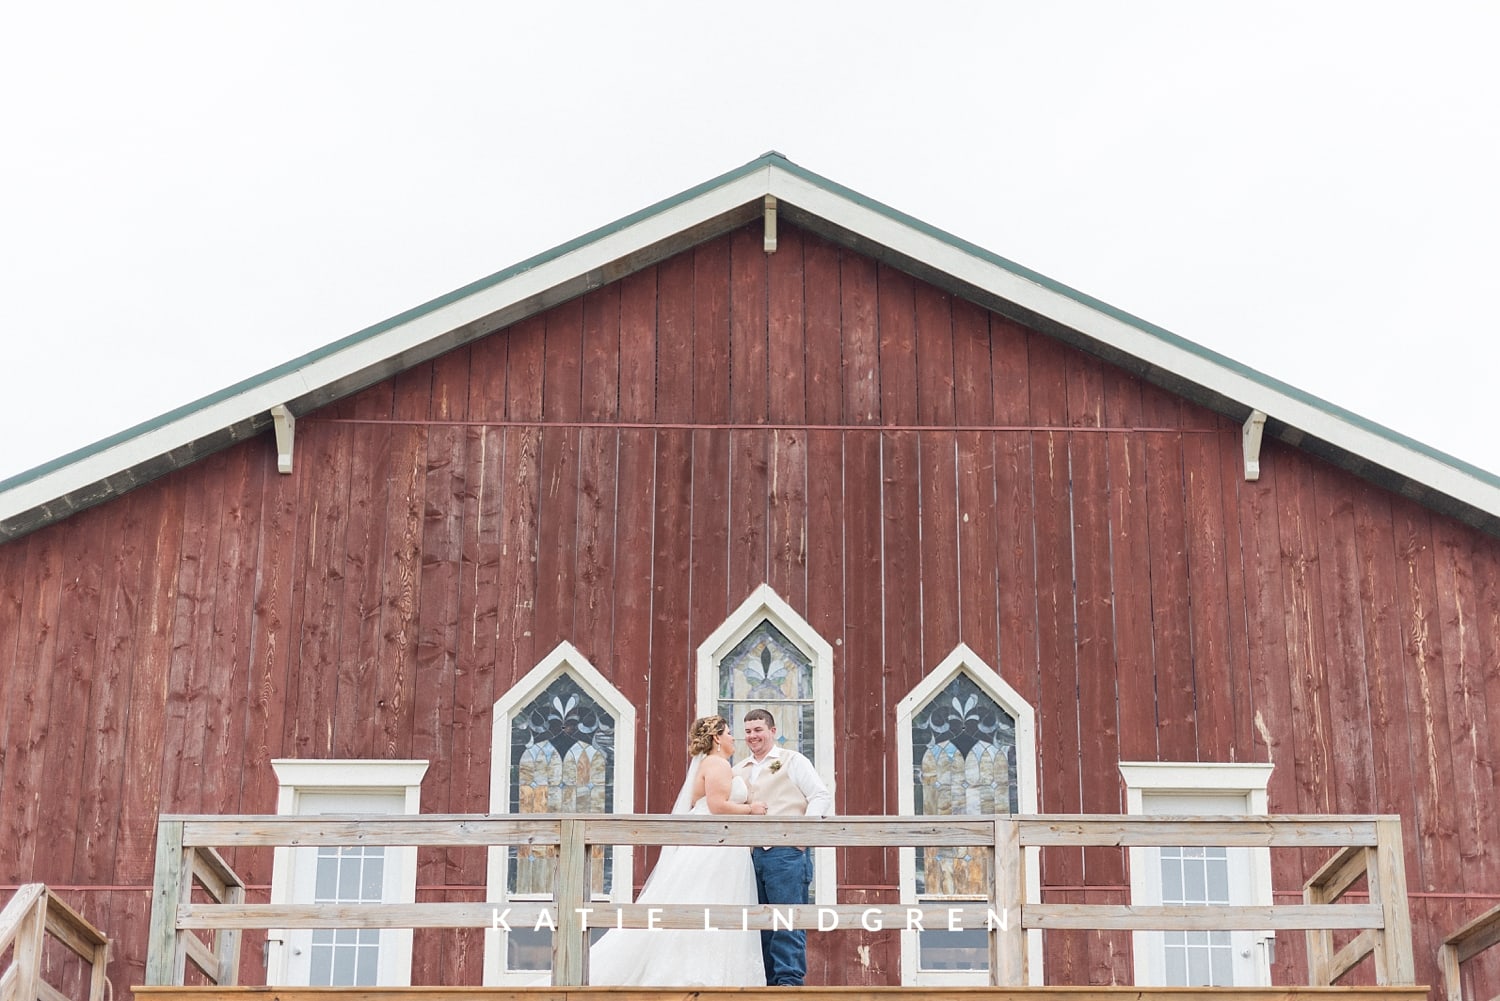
{"x":757,"y":809}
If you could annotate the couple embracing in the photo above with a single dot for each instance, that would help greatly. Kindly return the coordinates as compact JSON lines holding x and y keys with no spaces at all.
{"x":773,"y":781}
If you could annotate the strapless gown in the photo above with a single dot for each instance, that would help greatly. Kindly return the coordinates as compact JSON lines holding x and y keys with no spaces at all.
{"x":668,"y":957}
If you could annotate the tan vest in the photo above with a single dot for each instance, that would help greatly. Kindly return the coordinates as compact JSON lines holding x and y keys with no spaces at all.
{"x":776,"y":789}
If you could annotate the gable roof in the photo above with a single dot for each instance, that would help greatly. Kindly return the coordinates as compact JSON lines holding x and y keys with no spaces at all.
{"x":136,"y":455}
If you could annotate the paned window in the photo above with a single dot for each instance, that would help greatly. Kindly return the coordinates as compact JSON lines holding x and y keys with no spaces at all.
{"x":344,"y":874}
{"x":1199,"y":876}
{"x":967,"y":749}
{"x":564,"y":741}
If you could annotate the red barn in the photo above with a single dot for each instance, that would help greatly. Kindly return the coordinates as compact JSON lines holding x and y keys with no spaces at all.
{"x":985,"y":545}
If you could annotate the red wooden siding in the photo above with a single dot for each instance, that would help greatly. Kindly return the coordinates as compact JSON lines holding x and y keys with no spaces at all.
{"x":907,"y":470}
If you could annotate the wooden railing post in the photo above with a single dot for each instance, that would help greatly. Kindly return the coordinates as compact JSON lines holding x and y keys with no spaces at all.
{"x":166,"y":958}
{"x":570,"y":944}
{"x":1394,"y":963}
{"x":1007,"y":896}
{"x":30,"y":934}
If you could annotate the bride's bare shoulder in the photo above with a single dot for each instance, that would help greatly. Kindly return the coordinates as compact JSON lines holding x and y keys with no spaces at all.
{"x":715,"y":764}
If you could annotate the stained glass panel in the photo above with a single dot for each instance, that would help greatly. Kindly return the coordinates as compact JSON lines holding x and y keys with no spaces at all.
{"x":963,"y":764}
{"x":562,"y":761}
{"x":765,"y":670}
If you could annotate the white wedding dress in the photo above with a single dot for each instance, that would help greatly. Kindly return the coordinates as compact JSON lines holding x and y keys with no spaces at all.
{"x":670,"y":957}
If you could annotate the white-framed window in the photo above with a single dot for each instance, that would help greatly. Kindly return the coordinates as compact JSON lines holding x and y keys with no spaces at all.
{"x":766,"y":656}
{"x":966,"y":746}
{"x":325,"y":957}
{"x":1199,"y":876}
{"x":563,"y":742}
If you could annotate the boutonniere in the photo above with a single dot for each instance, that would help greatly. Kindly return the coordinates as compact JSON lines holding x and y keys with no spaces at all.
{"x":775,"y":766}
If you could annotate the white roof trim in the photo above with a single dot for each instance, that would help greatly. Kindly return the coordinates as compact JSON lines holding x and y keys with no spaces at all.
{"x":766,"y":177}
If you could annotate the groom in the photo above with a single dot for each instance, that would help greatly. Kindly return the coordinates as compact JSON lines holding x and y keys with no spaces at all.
{"x":789,"y":785}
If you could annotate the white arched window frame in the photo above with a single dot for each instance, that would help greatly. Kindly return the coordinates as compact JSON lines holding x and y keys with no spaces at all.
{"x":765,"y":605}
{"x":965,"y":661}
{"x":564,"y":659}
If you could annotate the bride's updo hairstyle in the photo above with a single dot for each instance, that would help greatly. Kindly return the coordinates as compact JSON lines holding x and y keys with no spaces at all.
{"x":701,"y":736}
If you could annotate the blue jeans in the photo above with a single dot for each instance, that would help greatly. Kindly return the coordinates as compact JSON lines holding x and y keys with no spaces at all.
{"x":781,"y":877}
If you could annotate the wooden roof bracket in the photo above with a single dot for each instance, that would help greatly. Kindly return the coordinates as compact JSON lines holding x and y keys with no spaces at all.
{"x":770,"y":224}
{"x":286,"y":430}
{"x":1250,"y":434}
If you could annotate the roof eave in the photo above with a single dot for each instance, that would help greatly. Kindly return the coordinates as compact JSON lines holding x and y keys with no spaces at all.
{"x":91,"y":475}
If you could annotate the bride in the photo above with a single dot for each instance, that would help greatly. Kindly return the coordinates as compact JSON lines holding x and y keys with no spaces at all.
{"x":693,"y":874}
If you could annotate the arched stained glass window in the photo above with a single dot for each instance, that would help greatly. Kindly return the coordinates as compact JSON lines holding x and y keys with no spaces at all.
{"x":766,"y":656}
{"x":967,"y":748}
{"x":963,"y":763}
{"x":562,"y":749}
{"x":765,"y":670}
{"x":563,"y":742}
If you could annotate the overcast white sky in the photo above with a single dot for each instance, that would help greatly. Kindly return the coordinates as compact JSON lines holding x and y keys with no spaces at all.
{"x":193,"y":192}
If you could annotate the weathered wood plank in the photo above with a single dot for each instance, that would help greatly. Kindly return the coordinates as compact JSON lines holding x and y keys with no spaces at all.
{"x":1176,"y":723}
{"x":709,"y":548}
{"x":140,"y":796}
{"x":901,"y":617}
{"x":74,"y":690}
{"x":229,"y":678}
{"x":1098,"y":695}
{"x":938,"y":555}
{"x":395,"y":674}
{"x":786,"y":515}
{"x":557,"y":542}
{"x":671,"y":702}
{"x":451,"y":372}
{"x":934,"y":343}
{"x":444,"y":488}
{"x":1058,"y":735}
{"x":786,"y":357}
{"x":1305,"y":640}
{"x":600,"y":377}
{"x":978,"y":593}
{"x":1344,"y":652}
{"x":598,"y":538}
{"x":323,"y":496}
{"x":479,"y":587}
{"x":1218,"y":685}
{"x":370,"y":476}
{"x":897,"y":325}
{"x":749,"y":528}
{"x":31,"y":720}
{"x":859,"y":314}
{"x":711,"y":339}
{"x":520,"y":493}
{"x":1015,"y":540}
{"x":749,"y":381}
{"x":675,"y":342}
{"x":489,"y":361}
{"x":824,"y":338}
{"x":634,"y":509}
{"x":526,"y":368}
{"x":563,"y":363}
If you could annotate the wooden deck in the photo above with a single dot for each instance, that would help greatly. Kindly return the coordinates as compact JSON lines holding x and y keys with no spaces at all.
{"x":779,"y":993}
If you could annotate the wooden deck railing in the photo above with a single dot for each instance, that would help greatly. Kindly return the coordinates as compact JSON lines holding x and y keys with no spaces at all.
{"x":1466,"y":943}
{"x":34,"y":913}
{"x":184,"y":852}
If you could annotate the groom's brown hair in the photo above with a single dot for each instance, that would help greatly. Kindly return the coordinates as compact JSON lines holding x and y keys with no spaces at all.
{"x":763,"y":716}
